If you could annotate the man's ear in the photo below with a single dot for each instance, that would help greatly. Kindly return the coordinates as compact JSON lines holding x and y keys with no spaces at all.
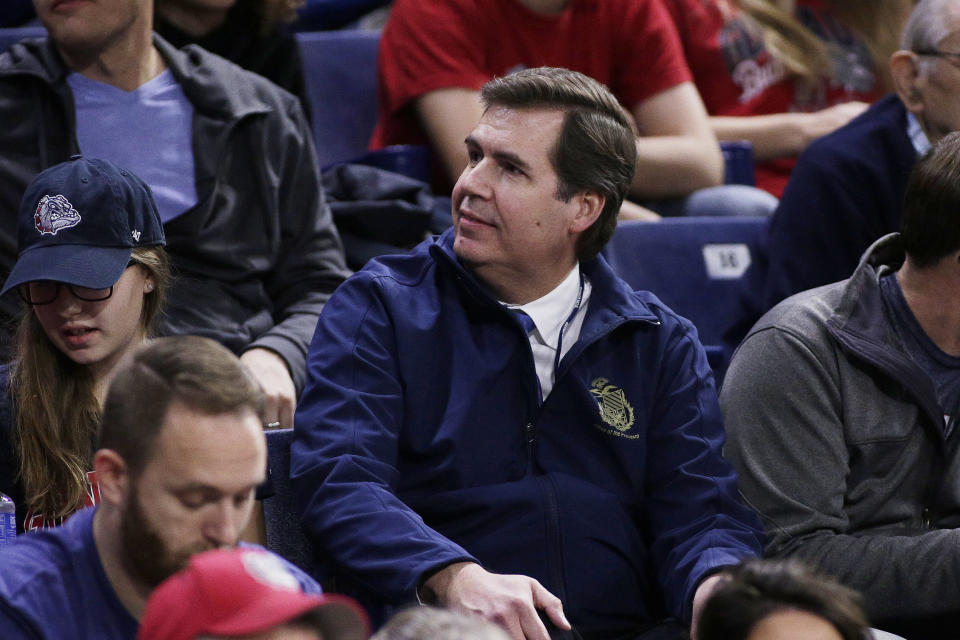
{"x":591,"y":206}
{"x":113,"y":476}
{"x":907,"y":79}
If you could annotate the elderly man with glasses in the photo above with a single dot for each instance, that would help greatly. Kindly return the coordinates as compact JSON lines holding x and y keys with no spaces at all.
{"x":847,"y":188}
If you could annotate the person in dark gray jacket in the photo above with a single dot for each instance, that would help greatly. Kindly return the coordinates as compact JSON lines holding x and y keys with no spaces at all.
{"x":841,"y":408}
{"x":229,"y":157}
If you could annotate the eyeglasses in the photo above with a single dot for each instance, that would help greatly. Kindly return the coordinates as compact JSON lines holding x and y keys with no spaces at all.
{"x":40,"y":292}
{"x":936,"y":53}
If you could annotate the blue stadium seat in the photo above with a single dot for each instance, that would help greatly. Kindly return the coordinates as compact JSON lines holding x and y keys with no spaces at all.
{"x":285,"y":536}
{"x":738,"y":162}
{"x":10,"y":36}
{"x":340,"y":69}
{"x":694,"y":265}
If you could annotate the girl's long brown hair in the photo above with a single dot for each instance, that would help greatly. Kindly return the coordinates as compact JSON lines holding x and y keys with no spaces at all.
{"x":56,"y":407}
{"x":803,"y":54}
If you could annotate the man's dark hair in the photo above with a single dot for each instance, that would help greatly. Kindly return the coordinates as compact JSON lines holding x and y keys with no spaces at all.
{"x":596,"y":148}
{"x":930,"y":229}
{"x":195,"y":372}
{"x":756,"y":588}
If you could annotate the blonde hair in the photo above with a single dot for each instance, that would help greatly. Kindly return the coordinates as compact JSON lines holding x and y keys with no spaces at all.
{"x":806,"y":56}
{"x":56,"y":407}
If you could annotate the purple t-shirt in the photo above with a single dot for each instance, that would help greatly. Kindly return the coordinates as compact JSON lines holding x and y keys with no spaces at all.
{"x":147,"y":130}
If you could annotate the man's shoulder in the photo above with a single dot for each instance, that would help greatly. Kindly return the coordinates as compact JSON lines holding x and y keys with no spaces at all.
{"x":881,"y":129}
{"x":221,"y":84}
{"x":804,"y":314}
{"x":47,"y":552}
{"x":38,"y":570}
{"x":403,"y":271}
{"x":52,"y":583}
{"x":33,"y":56}
{"x":613,"y":292}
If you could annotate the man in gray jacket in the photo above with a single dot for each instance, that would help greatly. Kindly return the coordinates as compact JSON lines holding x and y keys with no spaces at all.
{"x":841,"y":408}
{"x":229,"y":157}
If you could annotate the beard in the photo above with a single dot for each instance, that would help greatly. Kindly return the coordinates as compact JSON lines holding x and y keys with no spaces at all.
{"x":145,"y":554}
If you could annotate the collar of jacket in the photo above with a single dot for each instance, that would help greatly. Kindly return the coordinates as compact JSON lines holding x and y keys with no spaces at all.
{"x":858,"y":323}
{"x":214,"y":86}
{"x":612,"y":302}
{"x":34,"y":57}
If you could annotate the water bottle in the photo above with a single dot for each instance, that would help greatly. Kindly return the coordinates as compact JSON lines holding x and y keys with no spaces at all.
{"x":8,"y":520}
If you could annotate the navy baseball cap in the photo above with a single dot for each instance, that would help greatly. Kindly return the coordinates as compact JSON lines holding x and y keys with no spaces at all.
{"x":79,"y":222}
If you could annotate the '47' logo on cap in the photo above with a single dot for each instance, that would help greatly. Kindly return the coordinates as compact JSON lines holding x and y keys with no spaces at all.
{"x":55,"y":213}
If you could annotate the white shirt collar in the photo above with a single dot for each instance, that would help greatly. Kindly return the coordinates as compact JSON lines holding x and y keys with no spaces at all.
{"x":915,"y":132}
{"x":549,"y":312}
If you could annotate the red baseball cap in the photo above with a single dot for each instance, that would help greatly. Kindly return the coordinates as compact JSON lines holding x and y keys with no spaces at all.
{"x":238,"y":592}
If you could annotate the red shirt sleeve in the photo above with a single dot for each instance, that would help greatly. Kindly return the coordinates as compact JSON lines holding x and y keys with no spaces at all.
{"x":630,"y":45}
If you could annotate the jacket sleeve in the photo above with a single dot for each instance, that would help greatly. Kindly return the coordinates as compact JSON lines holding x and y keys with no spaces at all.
{"x":783,"y":407}
{"x":345,"y":451}
{"x":310,"y":264}
{"x":695,"y":518}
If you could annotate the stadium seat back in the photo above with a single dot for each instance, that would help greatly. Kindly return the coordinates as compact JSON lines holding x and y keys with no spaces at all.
{"x":285,"y":536}
{"x":694,"y":265}
{"x":340,"y":70}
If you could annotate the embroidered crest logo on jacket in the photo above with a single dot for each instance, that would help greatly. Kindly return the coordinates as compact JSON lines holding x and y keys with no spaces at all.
{"x":615,"y":410}
{"x":55,"y":213}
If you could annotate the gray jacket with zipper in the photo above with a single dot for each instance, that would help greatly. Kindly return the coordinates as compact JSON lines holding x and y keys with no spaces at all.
{"x":842,"y":447}
{"x":257,"y":257}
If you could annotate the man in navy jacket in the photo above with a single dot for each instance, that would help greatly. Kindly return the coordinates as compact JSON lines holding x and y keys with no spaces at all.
{"x":497,"y":423}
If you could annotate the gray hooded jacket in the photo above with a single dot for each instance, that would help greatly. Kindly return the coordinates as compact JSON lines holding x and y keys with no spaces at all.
{"x":841,"y":446}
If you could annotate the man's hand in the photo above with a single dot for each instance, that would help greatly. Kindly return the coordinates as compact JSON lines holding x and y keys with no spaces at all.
{"x":271,"y":371}
{"x":510,"y":601}
{"x":700,"y":597}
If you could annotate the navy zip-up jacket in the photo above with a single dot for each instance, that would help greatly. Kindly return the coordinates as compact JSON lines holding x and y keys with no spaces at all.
{"x":845,"y":192}
{"x":420,"y":442}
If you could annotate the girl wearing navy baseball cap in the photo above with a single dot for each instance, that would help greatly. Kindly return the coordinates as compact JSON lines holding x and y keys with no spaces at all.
{"x":92,"y":271}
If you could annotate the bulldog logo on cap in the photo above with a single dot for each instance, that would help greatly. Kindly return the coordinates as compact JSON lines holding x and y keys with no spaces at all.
{"x":55,"y":213}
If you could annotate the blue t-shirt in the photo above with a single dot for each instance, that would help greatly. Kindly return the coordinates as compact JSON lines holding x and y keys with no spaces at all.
{"x":943,"y":369}
{"x":53,"y":586}
{"x":147,"y":130}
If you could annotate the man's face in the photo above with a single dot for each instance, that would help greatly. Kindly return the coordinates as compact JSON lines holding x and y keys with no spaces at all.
{"x":195,"y":493}
{"x":505,"y":209}
{"x":90,"y":25}
{"x":940,"y":88}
